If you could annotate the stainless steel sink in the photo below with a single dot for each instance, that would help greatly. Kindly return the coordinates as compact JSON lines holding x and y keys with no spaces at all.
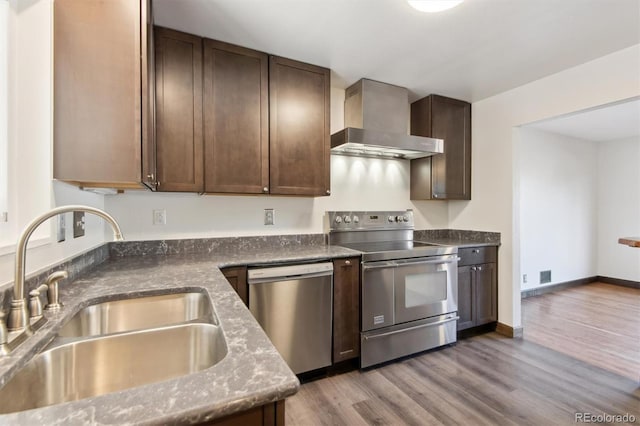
{"x":136,"y":314}
{"x":97,"y":366}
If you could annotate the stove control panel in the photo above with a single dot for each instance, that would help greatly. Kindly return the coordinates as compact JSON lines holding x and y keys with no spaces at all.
{"x":365,"y":220}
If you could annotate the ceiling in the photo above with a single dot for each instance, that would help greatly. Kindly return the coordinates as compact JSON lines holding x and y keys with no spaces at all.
{"x":617,"y":121}
{"x":476,"y":50}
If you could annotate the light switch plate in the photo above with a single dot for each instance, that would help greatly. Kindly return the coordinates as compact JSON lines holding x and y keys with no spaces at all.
{"x":62,"y":228}
{"x":78,"y":224}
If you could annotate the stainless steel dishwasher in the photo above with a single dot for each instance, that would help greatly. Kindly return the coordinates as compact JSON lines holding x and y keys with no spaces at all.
{"x":294,"y":306}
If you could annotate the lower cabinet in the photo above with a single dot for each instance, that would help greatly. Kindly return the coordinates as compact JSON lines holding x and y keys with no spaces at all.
{"x":237,"y":277}
{"x":265,"y":415}
{"x":346,"y":309}
{"x":477,"y":287}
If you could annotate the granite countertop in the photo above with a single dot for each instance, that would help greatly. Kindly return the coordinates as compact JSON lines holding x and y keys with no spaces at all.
{"x":251,"y":374}
{"x":459,"y":238}
{"x":630,"y":241}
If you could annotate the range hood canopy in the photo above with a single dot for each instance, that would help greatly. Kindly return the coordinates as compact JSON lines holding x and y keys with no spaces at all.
{"x":376,"y":118}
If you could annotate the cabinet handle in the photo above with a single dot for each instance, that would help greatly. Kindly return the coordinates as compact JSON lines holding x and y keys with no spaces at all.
{"x":475,"y":251}
{"x":435,"y":195}
{"x":347,"y":262}
{"x":328,"y":192}
{"x":479,"y":268}
{"x":150,"y":177}
{"x":473,"y":268}
{"x":265,"y":189}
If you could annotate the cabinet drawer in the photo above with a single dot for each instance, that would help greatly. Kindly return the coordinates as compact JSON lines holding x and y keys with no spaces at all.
{"x":477,"y":255}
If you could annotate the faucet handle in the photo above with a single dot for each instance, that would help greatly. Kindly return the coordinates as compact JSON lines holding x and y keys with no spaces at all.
{"x":35,"y":306}
{"x":52,"y":293}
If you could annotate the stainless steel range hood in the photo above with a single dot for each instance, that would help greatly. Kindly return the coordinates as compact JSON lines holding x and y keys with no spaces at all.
{"x":376,"y":119}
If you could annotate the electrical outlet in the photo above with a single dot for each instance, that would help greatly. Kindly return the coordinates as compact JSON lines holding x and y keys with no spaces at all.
{"x":62,"y":228}
{"x":269,"y":216}
{"x":524,"y":278}
{"x":78,"y":224}
{"x":160,"y":217}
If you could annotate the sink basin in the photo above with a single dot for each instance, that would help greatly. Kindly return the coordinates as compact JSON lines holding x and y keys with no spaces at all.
{"x":97,"y":366}
{"x":136,"y":314}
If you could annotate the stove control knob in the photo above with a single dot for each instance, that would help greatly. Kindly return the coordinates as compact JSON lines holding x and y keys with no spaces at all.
{"x":347,"y":219}
{"x":405,"y":218}
{"x":338,"y":219}
{"x":391,"y":218}
{"x":356,"y":219}
{"x":398,"y":219}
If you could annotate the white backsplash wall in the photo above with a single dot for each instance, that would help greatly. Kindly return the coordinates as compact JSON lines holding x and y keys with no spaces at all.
{"x":356,"y":184}
{"x":558,"y":207}
{"x":618,"y":208}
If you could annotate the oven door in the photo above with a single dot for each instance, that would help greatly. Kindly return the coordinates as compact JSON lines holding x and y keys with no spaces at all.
{"x":425,"y":287}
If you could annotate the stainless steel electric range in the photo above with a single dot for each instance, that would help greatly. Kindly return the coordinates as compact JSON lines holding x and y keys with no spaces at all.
{"x":409,"y":289}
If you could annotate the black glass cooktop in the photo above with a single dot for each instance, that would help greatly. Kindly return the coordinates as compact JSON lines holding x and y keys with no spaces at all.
{"x":388,"y":250}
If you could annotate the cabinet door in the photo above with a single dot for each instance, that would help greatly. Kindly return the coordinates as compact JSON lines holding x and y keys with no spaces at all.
{"x":97,"y":86}
{"x":299,"y":128}
{"x":486,"y":287}
{"x":178,"y":111}
{"x":447,"y":175}
{"x":451,"y":171}
{"x":148,"y":98}
{"x":346,"y":309}
{"x":237,"y":277}
{"x":466,"y":297}
{"x":236,"y":127}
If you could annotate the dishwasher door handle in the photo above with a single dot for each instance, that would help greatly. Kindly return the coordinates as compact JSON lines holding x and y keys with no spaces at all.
{"x":287,"y":278}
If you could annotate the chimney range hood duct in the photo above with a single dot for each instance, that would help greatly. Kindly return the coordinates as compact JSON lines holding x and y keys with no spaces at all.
{"x":376,"y":119}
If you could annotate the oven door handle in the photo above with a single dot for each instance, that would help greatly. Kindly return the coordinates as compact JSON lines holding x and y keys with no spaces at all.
{"x":423,"y":262}
{"x":431,"y":324}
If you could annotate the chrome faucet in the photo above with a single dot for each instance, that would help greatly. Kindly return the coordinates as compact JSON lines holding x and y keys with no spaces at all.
{"x":18,"y":320}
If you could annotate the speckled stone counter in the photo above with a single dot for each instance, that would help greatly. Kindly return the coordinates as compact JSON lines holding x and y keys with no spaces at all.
{"x":251,"y":374}
{"x":458,"y":237}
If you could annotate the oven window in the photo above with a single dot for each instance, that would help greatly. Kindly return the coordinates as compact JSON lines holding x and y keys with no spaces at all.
{"x":425,"y":288}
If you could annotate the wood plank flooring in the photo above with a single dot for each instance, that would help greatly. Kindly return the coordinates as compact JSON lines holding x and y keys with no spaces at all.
{"x":483,"y":380}
{"x":597,"y":323}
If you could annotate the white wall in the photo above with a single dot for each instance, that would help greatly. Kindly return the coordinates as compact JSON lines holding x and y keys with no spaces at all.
{"x":31,"y":191}
{"x":558,"y":207}
{"x":619,"y":208}
{"x":494,"y":205}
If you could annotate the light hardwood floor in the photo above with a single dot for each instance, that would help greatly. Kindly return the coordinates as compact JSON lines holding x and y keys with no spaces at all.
{"x":483,"y":380}
{"x":596,"y":323}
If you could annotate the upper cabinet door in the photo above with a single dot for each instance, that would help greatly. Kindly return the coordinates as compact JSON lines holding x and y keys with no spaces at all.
{"x":148,"y":98}
{"x":179,"y":145}
{"x":444,"y":176}
{"x":236,"y":119}
{"x":97,"y":87}
{"x":451,"y":172}
{"x":299,"y":128}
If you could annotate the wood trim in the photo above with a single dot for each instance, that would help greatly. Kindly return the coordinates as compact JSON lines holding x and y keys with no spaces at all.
{"x":507,"y":330}
{"x":618,"y":281}
{"x":530,"y":292}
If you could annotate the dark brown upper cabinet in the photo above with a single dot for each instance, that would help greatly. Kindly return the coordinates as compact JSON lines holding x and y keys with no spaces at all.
{"x":444,"y":176}
{"x":236,"y":119}
{"x":299,"y":143}
{"x":179,"y":139}
{"x":103,"y":130}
